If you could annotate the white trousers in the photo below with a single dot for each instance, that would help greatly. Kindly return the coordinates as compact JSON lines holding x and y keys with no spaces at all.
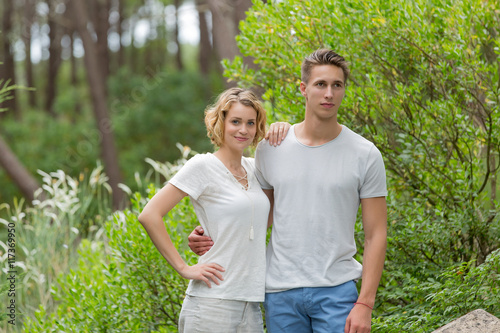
{"x":210,"y":315}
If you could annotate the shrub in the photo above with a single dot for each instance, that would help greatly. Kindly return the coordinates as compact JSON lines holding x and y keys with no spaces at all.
{"x":123,"y":283}
{"x":46,"y":235}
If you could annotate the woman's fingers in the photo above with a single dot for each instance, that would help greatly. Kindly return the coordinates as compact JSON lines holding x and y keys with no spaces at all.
{"x":210,"y":273}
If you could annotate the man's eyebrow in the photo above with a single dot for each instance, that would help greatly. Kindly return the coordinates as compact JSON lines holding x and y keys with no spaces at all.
{"x":323,"y":80}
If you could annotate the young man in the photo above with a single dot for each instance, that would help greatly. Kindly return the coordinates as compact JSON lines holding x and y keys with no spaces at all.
{"x":316,"y":180}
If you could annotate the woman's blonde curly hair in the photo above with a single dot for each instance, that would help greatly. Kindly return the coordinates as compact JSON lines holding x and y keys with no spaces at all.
{"x":216,"y":113}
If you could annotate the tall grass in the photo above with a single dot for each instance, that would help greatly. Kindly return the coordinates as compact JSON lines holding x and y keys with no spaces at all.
{"x":48,"y":232}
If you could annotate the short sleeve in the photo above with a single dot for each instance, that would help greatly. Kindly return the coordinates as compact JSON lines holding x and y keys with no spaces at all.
{"x":260,"y":167}
{"x":192,"y":177}
{"x":374,"y":184}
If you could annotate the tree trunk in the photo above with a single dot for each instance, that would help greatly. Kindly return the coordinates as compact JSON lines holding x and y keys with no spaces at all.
{"x":54,"y":60}
{"x":226,"y":15}
{"x":102,"y":29}
{"x":240,"y":15}
{"x":119,"y":30}
{"x":178,"y":55}
{"x":7,"y":72}
{"x":71,"y":31}
{"x":97,"y":85}
{"x":17,"y":172}
{"x":74,"y":75}
{"x":99,"y":16}
{"x":29,"y":16}
{"x":224,"y":29}
{"x":205,"y":47}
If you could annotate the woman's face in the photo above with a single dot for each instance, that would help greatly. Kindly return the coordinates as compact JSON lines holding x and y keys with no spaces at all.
{"x":240,"y":126}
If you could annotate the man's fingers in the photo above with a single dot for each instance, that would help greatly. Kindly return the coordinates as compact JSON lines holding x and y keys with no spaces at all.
{"x":199,"y":230}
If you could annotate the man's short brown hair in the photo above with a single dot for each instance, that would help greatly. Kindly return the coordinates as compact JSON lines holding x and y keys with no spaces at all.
{"x":323,"y":57}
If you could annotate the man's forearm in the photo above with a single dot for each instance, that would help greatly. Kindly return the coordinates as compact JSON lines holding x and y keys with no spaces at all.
{"x":373,"y":265}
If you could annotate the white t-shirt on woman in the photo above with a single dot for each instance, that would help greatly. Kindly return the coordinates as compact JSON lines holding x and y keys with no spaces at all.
{"x":235,"y":219}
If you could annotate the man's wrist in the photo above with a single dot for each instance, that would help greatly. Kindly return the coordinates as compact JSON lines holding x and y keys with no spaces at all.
{"x":369,"y":301}
{"x":364,"y":304}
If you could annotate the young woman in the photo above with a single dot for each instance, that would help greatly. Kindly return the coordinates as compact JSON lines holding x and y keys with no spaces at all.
{"x":228,"y":282}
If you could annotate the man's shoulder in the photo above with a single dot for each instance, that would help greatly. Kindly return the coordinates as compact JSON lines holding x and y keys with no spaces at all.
{"x":357,"y":139}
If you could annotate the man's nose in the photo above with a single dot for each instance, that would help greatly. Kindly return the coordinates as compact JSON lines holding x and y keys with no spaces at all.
{"x":328,"y":92}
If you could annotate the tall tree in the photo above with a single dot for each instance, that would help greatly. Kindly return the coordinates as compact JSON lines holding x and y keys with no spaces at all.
{"x":9,"y":161}
{"x":71,"y":31}
{"x":7,"y":72}
{"x":119,"y":30}
{"x":99,"y":10}
{"x":178,"y":54}
{"x":97,"y":86}
{"x":205,"y":47}
{"x":17,"y":172}
{"x":28,"y":19}
{"x":226,"y":15}
{"x":54,"y":58}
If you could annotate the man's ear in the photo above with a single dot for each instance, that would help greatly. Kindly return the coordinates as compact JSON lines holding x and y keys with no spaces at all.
{"x":303,"y":89}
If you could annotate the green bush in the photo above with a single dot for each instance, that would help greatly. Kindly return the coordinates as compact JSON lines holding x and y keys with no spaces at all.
{"x":430,"y":304}
{"x":46,"y":234}
{"x":122,"y":284}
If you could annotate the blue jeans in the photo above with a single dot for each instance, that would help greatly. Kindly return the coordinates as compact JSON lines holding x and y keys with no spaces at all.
{"x":307,"y":310}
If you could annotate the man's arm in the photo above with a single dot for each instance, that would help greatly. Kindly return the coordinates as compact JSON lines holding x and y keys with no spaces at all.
{"x":374,"y":216}
{"x":200,"y":244}
{"x":270,"y":196}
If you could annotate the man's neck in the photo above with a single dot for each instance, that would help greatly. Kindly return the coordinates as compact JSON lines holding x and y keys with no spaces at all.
{"x":316,"y":132}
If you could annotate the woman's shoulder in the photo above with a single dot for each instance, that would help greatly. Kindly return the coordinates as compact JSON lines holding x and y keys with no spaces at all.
{"x":248,"y":161}
{"x":200,"y":159}
{"x":197,"y":163}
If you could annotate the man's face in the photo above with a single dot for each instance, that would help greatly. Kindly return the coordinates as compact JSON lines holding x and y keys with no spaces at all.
{"x":324,"y":91}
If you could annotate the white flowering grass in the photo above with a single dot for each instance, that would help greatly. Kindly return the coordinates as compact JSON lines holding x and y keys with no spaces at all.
{"x":65,"y":211}
{"x":48,"y":232}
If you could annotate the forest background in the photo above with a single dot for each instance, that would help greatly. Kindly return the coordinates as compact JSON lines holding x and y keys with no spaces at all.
{"x":104,"y":101}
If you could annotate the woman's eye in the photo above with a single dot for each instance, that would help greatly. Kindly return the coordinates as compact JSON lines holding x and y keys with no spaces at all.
{"x":251,"y":123}
{"x":235,"y":121}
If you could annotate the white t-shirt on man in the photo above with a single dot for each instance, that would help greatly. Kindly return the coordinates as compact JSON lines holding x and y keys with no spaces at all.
{"x":317,"y":192}
{"x":235,"y":219}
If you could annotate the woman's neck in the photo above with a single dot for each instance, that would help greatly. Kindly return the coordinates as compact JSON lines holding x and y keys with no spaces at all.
{"x":231,"y":159}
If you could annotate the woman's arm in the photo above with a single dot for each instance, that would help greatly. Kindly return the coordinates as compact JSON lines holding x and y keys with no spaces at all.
{"x":151,"y":219}
{"x":277,"y":132}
